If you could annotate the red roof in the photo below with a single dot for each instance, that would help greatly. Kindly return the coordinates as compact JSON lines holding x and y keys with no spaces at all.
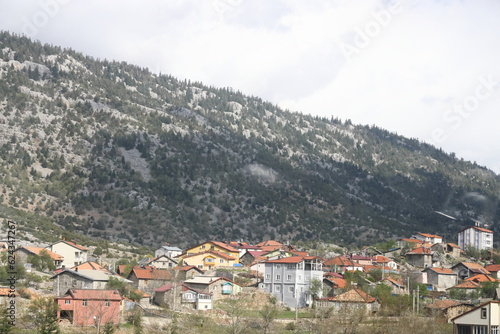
{"x":493,"y":267}
{"x":421,"y":251}
{"x":340,"y":261}
{"x":466,"y":285}
{"x":381,"y":259}
{"x":394,"y":281}
{"x":72,"y":244}
{"x":153,"y":274}
{"x":215,"y":253}
{"x":92,"y":294}
{"x":481,"y":278}
{"x":37,"y":250}
{"x":443,"y":304}
{"x":438,"y":270}
{"x":354,"y":295}
{"x":291,"y":259}
{"x":430,"y":235}
{"x":477,"y":228}
{"x":89,"y":265}
{"x":269,"y":243}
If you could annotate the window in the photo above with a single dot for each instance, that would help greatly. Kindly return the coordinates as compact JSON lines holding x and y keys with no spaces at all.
{"x":107,"y":303}
{"x":291,"y":266}
{"x":288,"y":277}
{"x":300,"y":278}
{"x":484,"y":313}
{"x":290,"y":289}
{"x":278,"y":266}
{"x":200,"y":266}
{"x":277,"y":288}
{"x":203,"y":247}
{"x":67,"y":302}
{"x":209,"y":259}
{"x":268,"y":276}
{"x":278,"y":277}
{"x":479,"y":329}
{"x":84,"y":302}
{"x":494,"y":330}
{"x":221,"y":261}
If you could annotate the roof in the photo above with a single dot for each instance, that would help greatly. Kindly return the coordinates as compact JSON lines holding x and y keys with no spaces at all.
{"x":206,"y":280}
{"x":37,"y":250}
{"x":474,"y":267}
{"x":381,"y":259}
{"x":167,"y":287}
{"x":92,"y":275}
{"x":340,"y":261}
{"x":187,"y":268}
{"x":481,"y":278}
{"x":466,"y":285}
{"x":92,"y":294}
{"x":354,"y":296}
{"x":453,"y":245}
{"x":89,"y":265}
{"x":290,"y":259}
{"x":493,"y":267}
{"x":421,"y":251}
{"x":339,"y":282}
{"x":394,"y":281}
{"x":443,"y":304}
{"x":269,"y":243}
{"x":475,"y":308}
{"x":417,"y":241}
{"x":71,"y":244}
{"x":430,"y":235}
{"x":171,"y":248}
{"x":482,"y":229}
{"x":212,"y":252}
{"x":152,"y":274}
{"x":444,"y":271}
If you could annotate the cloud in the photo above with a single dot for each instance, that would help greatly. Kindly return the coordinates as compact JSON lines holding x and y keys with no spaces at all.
{"x":414,"y":66}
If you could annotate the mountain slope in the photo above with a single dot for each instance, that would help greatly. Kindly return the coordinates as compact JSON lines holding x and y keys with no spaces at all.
{"x":111,"y":150}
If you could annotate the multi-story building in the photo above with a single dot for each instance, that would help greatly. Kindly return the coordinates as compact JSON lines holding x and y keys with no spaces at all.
{"x":292,"y":279}
{"x":475,"y":236}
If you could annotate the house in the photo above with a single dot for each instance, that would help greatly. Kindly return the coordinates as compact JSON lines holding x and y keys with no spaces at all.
{"x":251,"y":256}
{"x":493,"y":269}
{"x":447,"y":309}
{"x":381,"y":260}
{"x":362,"y":260}
{"x":24,"y":254}
{"x":187,"y":272}
{"x":209,"y":259}
{"x":352,"y":299}
{"x":475,"y":236}
{"x":441,"y":278}
{"x":89,"y":307}
{"x":397,"y":287}
{"x":168,"y":251}
{"x":213,"y":246}
{"x":176,"y":296}
{"x":429,"y":238}
{"x":72,"y":253}
{"x":342,"y":264}
{"x":469,"y":287}
{"x":467,"y":269}
{"x":421,"y":257}
{"x":333,"y":283}
{"x":148,"y":279}
{"x":162,"y":262}
{"x":218,"y":287}
{"x":484,"y":318}
{"x":88,"y":275}
{"x":291,"y":279}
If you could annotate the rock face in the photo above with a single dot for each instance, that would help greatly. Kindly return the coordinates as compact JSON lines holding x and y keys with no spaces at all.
{"x":111,"y":150}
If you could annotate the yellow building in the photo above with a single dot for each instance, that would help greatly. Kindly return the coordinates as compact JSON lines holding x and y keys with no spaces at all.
{"x":209,"y":259}
{"x":213,"y":246}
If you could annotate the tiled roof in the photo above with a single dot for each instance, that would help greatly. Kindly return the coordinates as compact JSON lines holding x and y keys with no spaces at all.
{"x":37,"y":250}
{"x":167,"y":287}
{"x":290,"y":259}
{"x":269,"y":243}
{"x":206,"y":280}
{"x":421,"y":251}
{"x":187,"y":268}
{"x":394,"y":281}
{"x":438,"y":270}
{"x":477,"y":228}
{"x":475,"y":267}
{"x":92,"y":294}
{"x":381,"y":259}
{"x":340,"y":261}
{"x":443,"y":304}
{"x":354,"y":295}
{"x":339,"y":282}
{"x":89,"y":265}
{"x":153,"y":274}
{"x":466,"y":285}
{"x":212,"y":252}
{"x":493,"y":267}
{"x":225,"y":246}
{"x":429,"y":235}
{"x":72,"y":244}
{"x":481,"y":278}
{"x":417,"y":241}
{"x":453,"y":245}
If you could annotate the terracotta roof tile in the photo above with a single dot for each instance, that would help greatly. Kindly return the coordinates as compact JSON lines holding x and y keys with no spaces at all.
{"x":438,"y":270}
{"x":355,"y":295}
{"x":152,"y":274}
{"x":37,"y":250}
{"x":443,"y":304}
{"x":92,"y":294}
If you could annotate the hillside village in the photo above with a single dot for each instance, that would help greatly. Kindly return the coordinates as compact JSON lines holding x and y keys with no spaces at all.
{"x":422,"y":275}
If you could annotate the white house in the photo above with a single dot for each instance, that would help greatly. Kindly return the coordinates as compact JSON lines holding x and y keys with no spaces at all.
{"x":475,"y":236}
{"x":72,"y":253}
{"x":169,"y":251}
{"x":290,"y":279}
{"x":483,"y":319}
{"x":430,"y":238}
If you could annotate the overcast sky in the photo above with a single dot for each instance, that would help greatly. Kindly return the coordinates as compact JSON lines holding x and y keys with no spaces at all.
{"x":424,"y":69}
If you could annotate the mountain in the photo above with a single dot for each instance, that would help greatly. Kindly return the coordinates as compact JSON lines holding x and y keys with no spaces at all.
{"x":110,"y":150}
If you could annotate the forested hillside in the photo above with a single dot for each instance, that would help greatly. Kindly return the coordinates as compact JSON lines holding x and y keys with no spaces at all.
{"x":111,"y":150}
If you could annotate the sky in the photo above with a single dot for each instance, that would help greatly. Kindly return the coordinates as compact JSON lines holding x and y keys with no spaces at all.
{"x":423,"y":69}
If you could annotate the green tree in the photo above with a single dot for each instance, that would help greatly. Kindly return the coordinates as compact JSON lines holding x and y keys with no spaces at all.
{"x":5,"y":321}
{"x":268,"y":314}
{"x":43,"y":314}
